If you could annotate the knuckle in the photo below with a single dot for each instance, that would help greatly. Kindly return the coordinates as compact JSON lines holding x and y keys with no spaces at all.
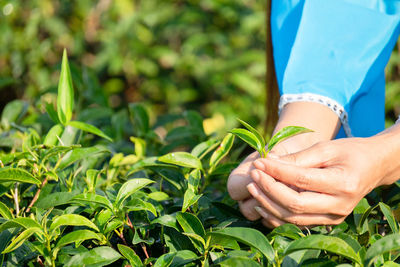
{"x":293,"y":220}
{"x":296,"y":206}
{"x":302,"y":180}
{"x":350,"y":188}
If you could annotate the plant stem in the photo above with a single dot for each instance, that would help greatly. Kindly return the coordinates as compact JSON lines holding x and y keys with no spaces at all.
{"x":35,"y":198}
{"x":16,"y":199}
{"x":129,"y":223}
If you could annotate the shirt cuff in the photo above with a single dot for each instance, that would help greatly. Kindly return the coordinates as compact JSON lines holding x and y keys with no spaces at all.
{"x":326,"y":101}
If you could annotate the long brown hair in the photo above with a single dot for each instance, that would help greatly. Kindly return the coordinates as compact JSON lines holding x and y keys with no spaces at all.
{"x":271,"y":84}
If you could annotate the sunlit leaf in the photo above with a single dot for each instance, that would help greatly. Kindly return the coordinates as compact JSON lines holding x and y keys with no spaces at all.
{"x":89,"y":128}
{"x":65,"y":97}
{"x":182,"y":159}
{"x":387,"y":211}
{"x":249,"y":138}
{"x":129,"y":188}
{"x":385,"y":244}
{"x":5,"y":212}
{"x":19,"y":240}
{"x":71,"y":220}
{"x":321,"y":242}
{"x":100,"y":256}
{"x":130,"y":255}
{"x":222,"y":150}
{"x":17,"y":175}
{"x":285,"y":133}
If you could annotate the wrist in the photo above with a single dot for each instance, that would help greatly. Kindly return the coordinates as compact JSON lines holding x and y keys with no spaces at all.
{"x":387,"y":146}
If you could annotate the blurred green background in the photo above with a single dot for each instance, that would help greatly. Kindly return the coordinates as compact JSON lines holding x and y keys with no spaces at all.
{"x":172,"y":55}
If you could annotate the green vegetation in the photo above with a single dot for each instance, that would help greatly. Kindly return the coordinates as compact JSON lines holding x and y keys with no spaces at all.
{"x":112,"y":167}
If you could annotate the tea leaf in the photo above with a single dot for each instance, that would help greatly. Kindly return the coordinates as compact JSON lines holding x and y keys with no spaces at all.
{"x":329,"y":243}
{"x":53,"y":135}
{"x":129,"y":188}
{"x":239,"y":262}
{"x":100,"y":256}
{"x":222,"y":150}
{"x":249,"y":138}
{"x":387,"y":211}
{"x":190,"y":224}
{"x":140,"y":119}
{"x":5,"y":212}
{"x":89,"y":128}
{"x":52,"y":113}
{"x":76,"y":236}
{"x":17,"y":242}
{"x":79,"y":154}
{"x":189,"y":199}
{"x":20,"y":222}
{"x":385,"y":244}
{"x":130,"y":255}
{"x":65,"y":97}
{"x":250,"y":237}
{"x":17,"y":175}
{"x":71,"y":220}
{"x":254,"y":131}
{"x":182,"y":159}
{"x":92,"y":198}
{"x":285,"y":133}
{"x":165,"y":260}
{"x":202,"y":149}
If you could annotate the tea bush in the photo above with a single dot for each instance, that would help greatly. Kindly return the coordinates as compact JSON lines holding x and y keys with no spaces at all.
{"x":152,"y":193}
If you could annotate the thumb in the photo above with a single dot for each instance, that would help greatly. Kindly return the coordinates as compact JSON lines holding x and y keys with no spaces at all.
{"x":313,"y":157}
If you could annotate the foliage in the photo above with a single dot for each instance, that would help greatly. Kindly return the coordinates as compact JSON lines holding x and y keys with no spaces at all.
{"x":71,"y":194}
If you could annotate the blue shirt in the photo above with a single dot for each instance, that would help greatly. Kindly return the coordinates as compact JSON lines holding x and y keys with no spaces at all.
{"x":334,"y":52}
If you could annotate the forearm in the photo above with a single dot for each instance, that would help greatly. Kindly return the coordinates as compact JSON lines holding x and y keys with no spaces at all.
{"x":386,"y":146}
{"x":324,"y":122}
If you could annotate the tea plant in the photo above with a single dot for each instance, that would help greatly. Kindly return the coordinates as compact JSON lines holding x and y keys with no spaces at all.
{"x":144,"y":193}
{"x":254,"y":139}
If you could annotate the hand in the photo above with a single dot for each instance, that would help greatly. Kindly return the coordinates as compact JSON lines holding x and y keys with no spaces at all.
{"x":335,"y":174}
{"x":240,"y":177}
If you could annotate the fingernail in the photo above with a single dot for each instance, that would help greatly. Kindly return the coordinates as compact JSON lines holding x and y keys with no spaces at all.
{"x":273,"y":155}
{"x":252,"y":189}
{"x":261,"y":212}
{"x":258,"y":164}
{"x":255,"y":175}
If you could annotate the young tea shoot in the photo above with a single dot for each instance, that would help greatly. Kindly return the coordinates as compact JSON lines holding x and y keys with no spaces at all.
{"x":254,"y":139}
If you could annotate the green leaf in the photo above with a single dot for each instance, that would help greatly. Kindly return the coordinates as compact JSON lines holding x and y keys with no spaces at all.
{"x":92,"y":198}
{"x":182,"y":159}
{"x":17,"y":175}
{"x":183,"y":257}
{"x":17,"y":242}
{"x":137,"y":204}
{"x":360,"y":213}
{"x":249,"y":138}
{"x":65,"y":97}
{"x":165,"y":260}
{"x":76,"y":237}
{"x":329,"y":243}
{"x":222,"y":150}
{"x":89,"y":128}
{"x":238,"y":262}
{"x":130,"y":255}
{"x":54,"y":199}
{"x":53,"y":135}
{"x":202,"y":149}
{"x":158,"y":196}
{"x":71,"y":220}
{"x":167,"y":220}
{"x":194,"y":180}
{"x":385,"y":244}
{"x":5,"y":212}
{"x":189,"y":199}
{"x":52,"y":113}
{"x":100,"y":256}
{"x":387,"y":211}
{"x":254,"y":131}
{"x":190,"y":224}
{"x":285,"y":133}
{"x":12,"y":112}
{"x":79,"y":154}
{"x":129,"y":188}
{"x":19,"y":222}
{"x":250,"y":237}
{"x":140,"y":119}
{"x":140,"y":146}
{"x":287,"y":230}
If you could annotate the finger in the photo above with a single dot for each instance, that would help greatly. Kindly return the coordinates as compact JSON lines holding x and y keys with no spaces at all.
{"x":312,"y":179}
{"x":247,"y":209}
{"x":240,"y":178}
{"x":315,"y":156}
{"x":268,"y":219}
{"x":300,"y":202}
{"x":287,"y":216}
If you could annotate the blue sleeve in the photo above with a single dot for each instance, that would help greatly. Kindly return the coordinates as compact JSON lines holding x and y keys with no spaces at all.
{"x":335,"y":52}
